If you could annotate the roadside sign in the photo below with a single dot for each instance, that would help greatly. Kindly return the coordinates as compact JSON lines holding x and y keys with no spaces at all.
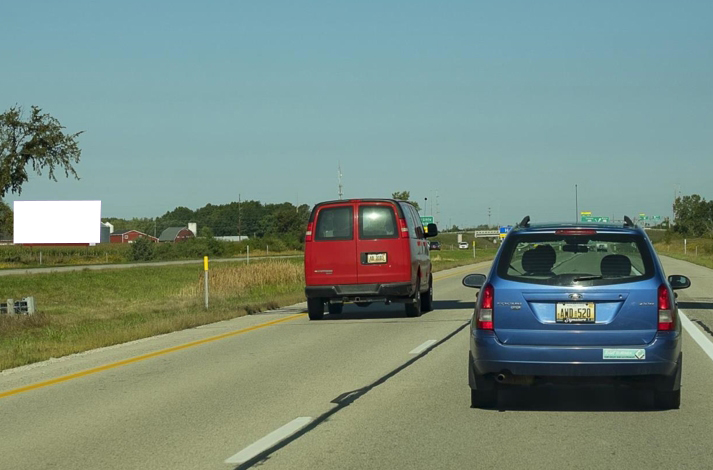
{"x":594,"y":219}
{"x":426,"y":219}
{"x":656,"y":217}
{"x":504,"y":231}
{"x":583,"y":213}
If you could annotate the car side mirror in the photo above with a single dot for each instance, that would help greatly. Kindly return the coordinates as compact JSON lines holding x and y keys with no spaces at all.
{"x":676,"y":281}
{"x":431,"y":230}
{"x":474,"y":280}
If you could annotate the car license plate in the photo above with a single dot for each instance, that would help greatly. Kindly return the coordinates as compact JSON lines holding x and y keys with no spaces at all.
{"x":575,"y":312}
{"x":376,"y":258}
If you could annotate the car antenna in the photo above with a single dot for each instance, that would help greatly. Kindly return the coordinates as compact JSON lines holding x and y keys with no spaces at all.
{"x":628,"y":222}
{"x":525,"y":222}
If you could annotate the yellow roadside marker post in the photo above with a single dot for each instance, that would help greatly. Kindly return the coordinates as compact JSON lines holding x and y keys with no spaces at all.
{"x":205,"y":268}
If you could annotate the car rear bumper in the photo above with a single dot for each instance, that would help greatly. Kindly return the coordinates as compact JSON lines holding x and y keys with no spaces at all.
{"x":492,"y":357}
{"x":351,"y":292}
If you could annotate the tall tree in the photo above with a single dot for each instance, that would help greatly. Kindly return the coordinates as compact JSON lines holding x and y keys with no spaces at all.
{"x":37,"y":142}
{"x":404,"y":196}
{"x":6,"y":221}
{"x":694,"y":215}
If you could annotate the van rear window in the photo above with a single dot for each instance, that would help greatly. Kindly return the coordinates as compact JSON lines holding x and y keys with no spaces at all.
{"x":335,"y":223}
{"x":377,"y":222}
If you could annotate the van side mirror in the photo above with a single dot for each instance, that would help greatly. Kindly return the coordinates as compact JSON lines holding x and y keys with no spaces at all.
{"x":431,"y":230}
{"x":676,"y":281}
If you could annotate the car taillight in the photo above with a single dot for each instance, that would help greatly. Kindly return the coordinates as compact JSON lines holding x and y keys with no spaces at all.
{"x":667,"y":319}
{"x":484,"y":319}
{"x":403,"y":228}
{"x":308,"y":234}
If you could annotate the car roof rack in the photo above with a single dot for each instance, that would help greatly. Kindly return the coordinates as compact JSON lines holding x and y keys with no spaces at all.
{"x":525,"y":222}
{"x":628,"y":222}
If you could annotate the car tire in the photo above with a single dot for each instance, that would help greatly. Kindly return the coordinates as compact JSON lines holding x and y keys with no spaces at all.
{"x":427,"y":297}
{"x":484,"y":398}
{"x":315,"y":308}
{"x":668,"y":400}
{"x":413,"y":306}
{"x":335,"y":309}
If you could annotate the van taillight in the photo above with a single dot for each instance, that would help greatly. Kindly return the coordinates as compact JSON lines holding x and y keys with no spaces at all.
{"x":308,"y":234}
{"x":403,"y":228}
{"x":667,"y":319}
{"x":484,"y":319}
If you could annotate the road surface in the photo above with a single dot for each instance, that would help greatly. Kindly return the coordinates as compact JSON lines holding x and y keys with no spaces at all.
{"x":368,"y":388}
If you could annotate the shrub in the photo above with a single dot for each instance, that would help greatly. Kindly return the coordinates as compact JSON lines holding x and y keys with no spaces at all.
{"x":143,"y":249}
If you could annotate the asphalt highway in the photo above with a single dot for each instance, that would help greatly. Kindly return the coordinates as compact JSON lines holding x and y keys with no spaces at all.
{"x":368,"y":388}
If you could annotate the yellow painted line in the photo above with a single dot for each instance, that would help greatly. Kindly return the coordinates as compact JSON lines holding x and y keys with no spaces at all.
{"x":143,"y":357}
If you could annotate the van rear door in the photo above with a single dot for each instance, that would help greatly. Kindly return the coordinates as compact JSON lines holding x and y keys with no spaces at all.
{"x":331,"y":256}
{"x":383,"y":253}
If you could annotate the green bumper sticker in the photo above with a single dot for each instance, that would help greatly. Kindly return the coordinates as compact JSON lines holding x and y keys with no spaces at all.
{"x":631,"y":354}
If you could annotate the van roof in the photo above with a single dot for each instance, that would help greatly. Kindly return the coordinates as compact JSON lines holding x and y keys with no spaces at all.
{"x":345,"y":201}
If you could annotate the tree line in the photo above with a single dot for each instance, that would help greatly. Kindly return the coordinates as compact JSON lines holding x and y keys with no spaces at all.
{"x":693,"y":216}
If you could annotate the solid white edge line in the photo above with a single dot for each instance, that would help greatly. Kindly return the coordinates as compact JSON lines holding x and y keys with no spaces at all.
{"x":423,"y":347}
{"x":268,"y":441}
{"x":696,"y":334}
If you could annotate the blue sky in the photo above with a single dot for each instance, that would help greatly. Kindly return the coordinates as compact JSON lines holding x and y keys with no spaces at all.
{"x":504,"y":104}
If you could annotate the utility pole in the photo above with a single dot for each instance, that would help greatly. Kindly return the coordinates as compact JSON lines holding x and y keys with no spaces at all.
{"x":488,"y":217}
{"x":339,"y":180}
{"x":239,"y":217}
{"x":438,"y":210}
{"x":576,"y":204}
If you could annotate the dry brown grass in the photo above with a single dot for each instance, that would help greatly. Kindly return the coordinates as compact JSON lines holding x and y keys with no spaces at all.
{"x":232,"y":281}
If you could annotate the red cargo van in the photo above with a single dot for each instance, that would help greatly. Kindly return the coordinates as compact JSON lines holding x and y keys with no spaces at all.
{"x":364,"y":251}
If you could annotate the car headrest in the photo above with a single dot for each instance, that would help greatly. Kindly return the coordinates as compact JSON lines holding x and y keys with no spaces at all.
{"x":539,"y":260}
{"x":615,"y":266}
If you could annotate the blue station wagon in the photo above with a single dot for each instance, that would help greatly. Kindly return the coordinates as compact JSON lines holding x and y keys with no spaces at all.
{"x":575,"y":303}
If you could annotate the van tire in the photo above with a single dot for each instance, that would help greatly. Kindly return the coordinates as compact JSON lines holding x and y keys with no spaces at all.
{"x":315,"y":308}
{"x":335,"y":309}
{"x":427,"y":297}
{"x":413,"y":306}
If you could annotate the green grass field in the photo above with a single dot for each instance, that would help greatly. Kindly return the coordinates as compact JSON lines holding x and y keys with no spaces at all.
{"x":87,"y":309}
{"x":697,"y":250}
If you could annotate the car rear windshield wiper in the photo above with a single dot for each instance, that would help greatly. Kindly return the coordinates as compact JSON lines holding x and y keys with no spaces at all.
{"x":587,"y":278}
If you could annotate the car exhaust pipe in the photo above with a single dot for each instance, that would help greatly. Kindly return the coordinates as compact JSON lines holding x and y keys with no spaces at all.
{"x":507,"y":378}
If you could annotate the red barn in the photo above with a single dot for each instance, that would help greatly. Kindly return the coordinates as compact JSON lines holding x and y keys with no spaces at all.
{"x":128,"y":236}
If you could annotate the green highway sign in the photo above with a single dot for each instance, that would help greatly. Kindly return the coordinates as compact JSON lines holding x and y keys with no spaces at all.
{"x":643,"y":217}
{"x":586,"y":218}
{"x":426,"y":219}
{"x":656,"y":217}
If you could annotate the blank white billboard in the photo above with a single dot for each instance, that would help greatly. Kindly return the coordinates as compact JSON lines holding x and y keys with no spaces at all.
{"x":57,"y":221}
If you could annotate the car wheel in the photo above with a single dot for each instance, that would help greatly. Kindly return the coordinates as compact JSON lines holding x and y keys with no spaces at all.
{"x":427,"y":297}
{"x":669,"y":400}
{"x":315,"y":308}
{"x":413,"y":307}
{"x":335,"y":309}
{"x":483,"y":398}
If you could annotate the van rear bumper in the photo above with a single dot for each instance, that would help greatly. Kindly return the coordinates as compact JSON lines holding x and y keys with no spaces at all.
{"x":350,"y":292}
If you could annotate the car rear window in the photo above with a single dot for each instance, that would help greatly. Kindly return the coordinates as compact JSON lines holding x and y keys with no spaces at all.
{"x":335,"y":223}
{"x":567,"y":260}
{"x":377,"y":222}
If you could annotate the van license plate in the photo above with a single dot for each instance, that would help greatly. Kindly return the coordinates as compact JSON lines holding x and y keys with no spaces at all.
{"x":376,"y":258}
{"x":577,"y":312}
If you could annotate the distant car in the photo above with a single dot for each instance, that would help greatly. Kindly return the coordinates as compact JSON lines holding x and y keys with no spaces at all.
{"x":364,"y":251}
{"x":463,"y":245}
{"x":560,"y":312}
{"x":434,"y":245}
